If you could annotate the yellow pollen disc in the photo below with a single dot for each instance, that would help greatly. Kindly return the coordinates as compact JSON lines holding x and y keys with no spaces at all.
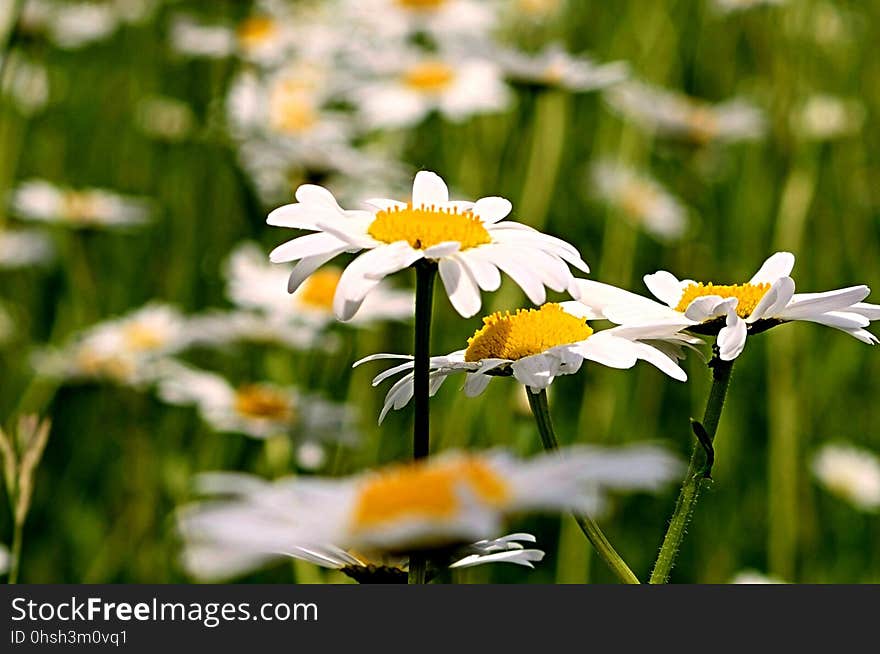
{"x":429,"y":491}
{"x":748,"y":295}
{"x":638,"y":199}
{"x":142,"y":338}
{"x":319,"y":289}
{"x":291,"y":108}
{"x":78,"y":206}
{"x":429,"y":77}
{"x":425,"y":226}
{"x":256,"y":30}
{"x":703,"y":124}
{"x":256,"y":401}
{"x":526,"y":332}
{"x":421,"y":5}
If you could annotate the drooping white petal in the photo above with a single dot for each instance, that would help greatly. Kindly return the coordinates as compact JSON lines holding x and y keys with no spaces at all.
{"x":709,"y":307}
{"x":839,"y":320}
{"x":443,"y":249}
{"x":364,"y":273}
{"x":518,"y":271}
{"x":665,"y":286}
{"x":776,"y":266}
{"x":380,"y":356}
{"x":475,"y":384}
{"x":462,"y":289}
{"x":870,"y":311}
{"x":732,"y":337}
{"x":429,"y":189}
{"x":483,"y":271}
{"x":618,"y":305}
{"x":316,"y":195}
{"x":307,"y":265}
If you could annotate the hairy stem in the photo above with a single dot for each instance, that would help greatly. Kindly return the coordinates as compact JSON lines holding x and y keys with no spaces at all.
{"x":694,"y":479}
{"x":541,"y":411}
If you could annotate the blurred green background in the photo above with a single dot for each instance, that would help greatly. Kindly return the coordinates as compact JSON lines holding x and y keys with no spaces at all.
{"x":119,"y":461}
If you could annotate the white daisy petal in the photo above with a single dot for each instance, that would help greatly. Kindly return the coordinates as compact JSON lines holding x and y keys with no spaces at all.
{"x":709,"y":307}
{"x":665,"y":286}
{"x":518,"y":271}
{"x":492,"y":209}
{"x":306,"y":246}
{"x":475,"y":384}
{"x":778,"y":265}
{"x":774,"y":300}
{"x":380,"y":356}
{"x":429,"y":189}
{"x":869,"y":311}
{"x":461,"y":288}
{"x":444,"y":249}
{"x":839,"y":320}
{"x":732,"y":337}
{"x":484,"y":272}
{"x":316,"y":195}
{"x":307,"y":265}
{"x":805,"y":305}
{"x":383,"y":204}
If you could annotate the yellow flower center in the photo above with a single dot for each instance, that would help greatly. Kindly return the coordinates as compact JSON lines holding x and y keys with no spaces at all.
{"x":78,"y":206}
{"x":538,"y":8}
{"x":748,"y":295}
{"x":291,"y":108}
{"x":703,"y":124}
{"x":421,"y":5}
{"x":526,"y":332}
{"x":431,"y":491}
{"x":423,"y":227}
{"x":262,"y":402}
{"x":256,"y":30}
{"x":143,"y":338}
{"x":429,"y":77}
{"x":638,"y":198}
{"x":319,"y":289}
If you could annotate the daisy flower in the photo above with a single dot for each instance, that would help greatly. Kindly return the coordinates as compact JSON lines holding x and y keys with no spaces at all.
{"x":447,"y":501}
{"x":41,"y":201}
{"x":826,"y":117}
{"x":210,"y":555}
{"x":191,"y":37}
{"x":851,"y":473}
{"x":535,"y":346}
{"x":125,"y":350}
{"x":734,"y":311}
{"x":554,"y":67}
{"x":678,"y":116}
{"x":444,"y":19}
{"x":22,"y":248}
{"x":470,"y":241}
{"x":256,"y":284}
{"x":78,"y":24}
{"x":642,"y":199}
{"x":410,"y":85}
{"x":25,"y":82}
{"x":258,"y":410}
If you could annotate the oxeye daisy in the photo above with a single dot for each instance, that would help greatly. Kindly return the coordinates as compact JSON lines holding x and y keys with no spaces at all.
{"x":22,"y":248}
{"x":470,"y":241}
{"x":554,"y":67}
{"x":851,"y":473}
{"x":535,"y":346}
{"x":255,"y":284}
{"x":211,"y":551}
{"x":255,"y":409}
{"x":39,"y":200}
{"x":732,"y":312}
{"x":445,"y":502}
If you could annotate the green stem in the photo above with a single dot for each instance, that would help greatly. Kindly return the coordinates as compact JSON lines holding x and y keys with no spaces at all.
{"x":694,"y":479}
{"x":15,"y":552}
{"x":425,"y":273}
{"x":538,"y":403}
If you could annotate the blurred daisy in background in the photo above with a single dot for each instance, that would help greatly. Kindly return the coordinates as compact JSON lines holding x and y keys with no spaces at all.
{"x":73,"y":25}
{"x":191,"y":37}
{"x":554,"y":67}
{"x":641,"y":199}
{"x":216,"y":328}
{"x":42,"y":201}
{"x":25,"y":82}
{"x":259,"y":410}
{"x":442,"y":19}
{"x":754,"y":577}
{"x":851,"y":473}
{"x":164,"y":118}
{"x":733,"y":6}
{"x":537,"y":345}
{"x":471,"y":241}
{"x":21,"y":248}
{"x":126,"y":350}
{"x":733,"y":311}
{"x":451,"y":500}
{"x":255,"y":283}
{"x":404,"y":87}
{"x":210,"y":555}
{"x":675,"y":115}
{"x":825,"y":117}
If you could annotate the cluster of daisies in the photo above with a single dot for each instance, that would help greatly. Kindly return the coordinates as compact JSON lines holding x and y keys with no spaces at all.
{"x":455,"y":504}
